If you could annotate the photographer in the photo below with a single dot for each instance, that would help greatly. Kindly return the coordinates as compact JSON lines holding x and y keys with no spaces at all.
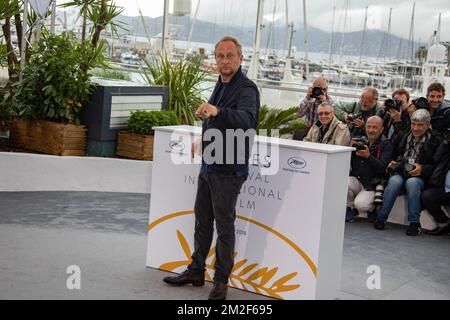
{"x":412,"y":167}
{"x":395,"y":114}
{"x":439,"y":108}
{"x":356,"y":114}
{"x":328,"y":129}
{"x":368,"y":168}
{"x":438,"y":192}
{"x":316,"y":94}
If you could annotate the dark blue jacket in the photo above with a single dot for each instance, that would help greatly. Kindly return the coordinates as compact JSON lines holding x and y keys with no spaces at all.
{"x":366,"y":170}
{"x":238,"y":106}
{"x":440,"y":120}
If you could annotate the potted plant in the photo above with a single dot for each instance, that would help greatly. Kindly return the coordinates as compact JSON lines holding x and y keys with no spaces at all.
{"x":183,"y":78}
{"x":56,"y":83}
{"x":48,"y":100}
{"x":137,"y":143}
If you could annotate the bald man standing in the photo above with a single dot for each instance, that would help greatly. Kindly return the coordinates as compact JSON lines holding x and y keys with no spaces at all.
{"x":316,"y":94}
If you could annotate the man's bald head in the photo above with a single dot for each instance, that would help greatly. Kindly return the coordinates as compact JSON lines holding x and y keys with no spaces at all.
{"x":374,"y":128}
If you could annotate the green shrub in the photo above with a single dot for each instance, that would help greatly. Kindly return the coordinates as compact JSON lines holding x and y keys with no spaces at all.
{"x":285,"y":120}
{"x":54,"y":86}
{"x":141,"y":122}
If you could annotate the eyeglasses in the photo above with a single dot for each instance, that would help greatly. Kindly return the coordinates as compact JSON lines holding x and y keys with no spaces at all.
{"x":324,"y":114}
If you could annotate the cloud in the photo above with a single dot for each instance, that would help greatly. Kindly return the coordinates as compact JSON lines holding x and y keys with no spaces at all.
{"x":319,"y":14}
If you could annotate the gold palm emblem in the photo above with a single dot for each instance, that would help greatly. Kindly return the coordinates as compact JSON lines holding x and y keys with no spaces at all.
{"x":242,"y":276}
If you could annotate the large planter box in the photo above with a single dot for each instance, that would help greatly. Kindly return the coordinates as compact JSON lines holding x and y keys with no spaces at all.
{"x":49,"y":137}
{"x":109,"y":108}
{"x":134,"y":146}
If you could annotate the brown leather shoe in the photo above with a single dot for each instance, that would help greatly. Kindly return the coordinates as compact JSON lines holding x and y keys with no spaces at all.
{"x":197,"y":279}
{"x":219,"y":291}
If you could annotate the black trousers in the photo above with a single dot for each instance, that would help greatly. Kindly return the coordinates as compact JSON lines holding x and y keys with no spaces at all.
{"x":217,"y":194}
{"x":432,"y":200}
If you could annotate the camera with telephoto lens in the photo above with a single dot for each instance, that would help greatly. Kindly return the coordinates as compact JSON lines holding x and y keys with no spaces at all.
{"x":392,"y":104}
{"x":360,"y":143}
{"x":378,"y":185}
{"x":421,"y":103}
{"x":317,"y":91}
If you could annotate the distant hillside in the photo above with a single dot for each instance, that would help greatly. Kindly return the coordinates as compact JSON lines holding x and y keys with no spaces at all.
{"x":318,"y":39}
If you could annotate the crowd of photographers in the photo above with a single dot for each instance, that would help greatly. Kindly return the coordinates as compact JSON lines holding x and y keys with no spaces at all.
{"x":401,"y":147}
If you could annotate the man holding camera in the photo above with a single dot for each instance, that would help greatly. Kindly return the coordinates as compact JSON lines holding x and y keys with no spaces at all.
{"x":356,"y":114}
{"x":439,"y":108}
{"x":438,"y":192}
{"x":413,"y":165}
{"x":316,"y":94}
{"x":328,"y":129}
{"x":395,"y":114}
{"x":368,"y":168}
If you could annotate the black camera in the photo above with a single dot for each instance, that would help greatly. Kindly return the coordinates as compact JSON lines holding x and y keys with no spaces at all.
{"x":317,"y":91}
{"x":408,"y":168}
{"x":394,"y":104}
{"x":400,"y":167}
{"x":391,"y":170}
{"x":420,"y":103}
{"x":360,"y":143}
{"x":378,"y":184}
{"x":351,"y":117}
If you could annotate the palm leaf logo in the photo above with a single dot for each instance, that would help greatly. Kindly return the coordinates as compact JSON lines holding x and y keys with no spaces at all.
{"x":244,"y":275}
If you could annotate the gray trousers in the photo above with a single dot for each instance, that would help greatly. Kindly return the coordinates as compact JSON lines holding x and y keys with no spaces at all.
{"x":217,"y":194}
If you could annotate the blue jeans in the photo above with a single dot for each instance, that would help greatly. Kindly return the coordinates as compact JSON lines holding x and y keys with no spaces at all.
{"x":396,"y":186}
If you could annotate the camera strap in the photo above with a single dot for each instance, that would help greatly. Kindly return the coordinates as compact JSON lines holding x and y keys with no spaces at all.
{"x":379,"y":148}
{"x":354,"y":107}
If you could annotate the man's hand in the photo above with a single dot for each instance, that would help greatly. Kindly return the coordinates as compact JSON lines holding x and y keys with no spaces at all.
{"x":395,"y":115}
{"x":359,"y":123}
{"x":417,"y":170}
{"x":411,"y":108}
{"x":206,"y":110}
{"x":365,"y":153}
{"x":392,"y":163}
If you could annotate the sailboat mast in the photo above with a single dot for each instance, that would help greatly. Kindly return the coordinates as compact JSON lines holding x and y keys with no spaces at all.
{"x":411,"y":41}
{"x":286,"y":38}
{"x":363,"y":43}
{"x":192,"y":27}
{"x":389,"y":39}
{"x":305,"y":32}
{"x":439,"y":29}
{"x":254,"y":63}
{"x":165,"y":25}
{"x":330,"y":58}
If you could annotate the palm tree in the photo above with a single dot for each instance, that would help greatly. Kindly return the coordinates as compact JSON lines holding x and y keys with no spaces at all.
{"x":286,"y":121}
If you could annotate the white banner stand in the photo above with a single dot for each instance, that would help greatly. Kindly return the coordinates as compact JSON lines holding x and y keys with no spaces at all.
{"x":290,"y":215}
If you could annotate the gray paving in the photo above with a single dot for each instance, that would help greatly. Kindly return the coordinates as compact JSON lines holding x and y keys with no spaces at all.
{"x":42,"y":233}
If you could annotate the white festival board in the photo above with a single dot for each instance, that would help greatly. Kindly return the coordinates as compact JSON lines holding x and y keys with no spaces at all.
{"x":289,"y":225}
